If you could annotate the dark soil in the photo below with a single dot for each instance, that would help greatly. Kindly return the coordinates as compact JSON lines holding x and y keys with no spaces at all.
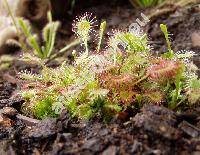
{"x":153,"y":130}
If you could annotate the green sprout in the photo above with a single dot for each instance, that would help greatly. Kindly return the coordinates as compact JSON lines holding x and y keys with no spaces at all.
{"x":101,"y":32}
{"x":145,"y":3}
{"x":48,"y":35}
{"x":45,"y":51}
{"x":170,"y":52}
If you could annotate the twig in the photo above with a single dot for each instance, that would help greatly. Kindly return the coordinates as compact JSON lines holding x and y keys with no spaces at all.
{"x":172,"y":6}
{"x":27,"y":120}
{"x":14,"y":23}
{"x":11,"y":15}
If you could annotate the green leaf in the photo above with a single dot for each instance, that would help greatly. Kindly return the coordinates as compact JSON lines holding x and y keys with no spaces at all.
{"x":49,"y":36}
{"x":170,"y":53}
{"x":101,"y":32}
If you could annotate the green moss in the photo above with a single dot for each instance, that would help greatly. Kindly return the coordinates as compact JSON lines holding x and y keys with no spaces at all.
{"x":43,"y":108}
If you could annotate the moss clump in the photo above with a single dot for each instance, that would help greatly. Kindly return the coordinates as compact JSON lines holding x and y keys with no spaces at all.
{"x":44,"y":108}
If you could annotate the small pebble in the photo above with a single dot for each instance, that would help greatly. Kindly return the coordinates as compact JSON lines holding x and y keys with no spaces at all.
{"x":9,"y":111}
{"x":195,"y":37}
{"x":190,"y":129}
{"x":198,"y":147}
{"x":111,"y":150}
{"x":1,"y":119}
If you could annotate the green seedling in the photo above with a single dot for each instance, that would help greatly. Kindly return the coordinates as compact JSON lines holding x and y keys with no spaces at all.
{"x":48,"y":36}
{"x":145,"y":3}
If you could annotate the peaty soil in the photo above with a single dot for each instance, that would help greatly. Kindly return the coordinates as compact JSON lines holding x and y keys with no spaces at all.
{"x":152,"y":130}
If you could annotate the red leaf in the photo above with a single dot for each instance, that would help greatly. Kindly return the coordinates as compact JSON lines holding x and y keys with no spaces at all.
{"x":164,"y":68}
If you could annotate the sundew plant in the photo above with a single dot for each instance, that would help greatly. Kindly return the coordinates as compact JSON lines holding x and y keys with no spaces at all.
{"x":106,"y":82}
